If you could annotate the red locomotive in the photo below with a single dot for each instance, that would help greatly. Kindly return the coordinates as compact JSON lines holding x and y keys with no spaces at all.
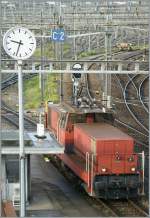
{"x":101,"y":155}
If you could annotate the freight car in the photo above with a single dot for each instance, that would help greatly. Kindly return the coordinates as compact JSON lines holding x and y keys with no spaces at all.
{"x":101,"y":155}
{"x":124,"y":46}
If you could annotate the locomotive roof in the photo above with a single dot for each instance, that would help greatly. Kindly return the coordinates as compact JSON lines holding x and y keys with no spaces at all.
{"x":103,"y":131}
{"x":65,"y":107}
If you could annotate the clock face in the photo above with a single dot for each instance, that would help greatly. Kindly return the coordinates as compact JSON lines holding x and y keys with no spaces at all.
{"x":19,"y":43}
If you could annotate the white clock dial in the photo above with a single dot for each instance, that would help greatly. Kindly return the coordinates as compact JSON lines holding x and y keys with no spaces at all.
{"x":19,"y":43}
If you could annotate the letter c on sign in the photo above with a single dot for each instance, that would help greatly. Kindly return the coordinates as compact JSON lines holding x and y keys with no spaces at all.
{"x":54,"y":35}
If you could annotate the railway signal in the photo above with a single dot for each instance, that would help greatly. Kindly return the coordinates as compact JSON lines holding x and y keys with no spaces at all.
{"x":75,"y":78}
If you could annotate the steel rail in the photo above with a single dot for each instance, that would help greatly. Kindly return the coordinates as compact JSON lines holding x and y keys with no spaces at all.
{"x":86,"y":77}
{"x":132,"y":102}
{"x":138,"y":90}
{"x":127,"y":125}
{"x":132,"y":128}
{"x":138,"y":208}
{"x":106,"y":207}
{"x":13,"y":79}
{"x":140,"y":94}
{"x":125,"y":208}
{"x":125,"y":100}
{"x":12,"y":116}
{"x":14,"y":119}
{"x":126,"y":103}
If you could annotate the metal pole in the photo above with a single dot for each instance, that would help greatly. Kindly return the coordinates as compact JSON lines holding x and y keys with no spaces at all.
{"x":21,"y":8}
{"x":42,"y":60}
{"x":143,"y":172}
{"x":89,"y":47}
{"x":138,"y":39}
{"x":0,"y":125}
{"x":21,"y":141}
{"x":60,"y":13}
{"x":55,"y":46}
{"x":74,"y":39}
{"x":92,"y":173}
{"x":108,"y":52}
{"x":61,"y":76}
{"x":61,"y":54}
{"x":106,"y":56}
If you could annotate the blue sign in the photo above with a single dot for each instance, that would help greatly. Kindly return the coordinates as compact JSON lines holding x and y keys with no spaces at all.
{"x":58,"y":35}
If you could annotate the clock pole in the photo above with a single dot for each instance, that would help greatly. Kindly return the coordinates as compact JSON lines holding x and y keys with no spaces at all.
{"x":18,"y":32}
{"x":21,"y":142}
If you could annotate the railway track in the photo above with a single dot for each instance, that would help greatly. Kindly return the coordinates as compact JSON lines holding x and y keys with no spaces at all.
{"x":14,"y":79}
{"x":134,"y":56}
{"x":11,"y":115}
{"x":125,"y":208}
{"x":82,"y":43}
{"x":135,"y":116}
{"x":126,"y":89}
{"x":85,"y":81}
{"x":135,"y":129}
{"x":135,"y":124}
{"x":109,"y":208}
{"x":140,"y":91}
{"x":132,"y":89}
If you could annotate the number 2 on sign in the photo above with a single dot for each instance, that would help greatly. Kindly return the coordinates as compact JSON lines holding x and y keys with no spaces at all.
{"x":62,"y":36}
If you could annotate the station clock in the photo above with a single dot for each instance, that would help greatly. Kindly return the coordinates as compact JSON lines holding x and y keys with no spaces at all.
{"x":19,"y":43}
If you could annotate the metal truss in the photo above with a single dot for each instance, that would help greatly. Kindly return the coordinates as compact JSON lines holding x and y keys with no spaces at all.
{"x":66,"y":66}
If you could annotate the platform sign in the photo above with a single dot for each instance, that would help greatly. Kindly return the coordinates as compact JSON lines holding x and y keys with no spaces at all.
{"x":58,"y":35}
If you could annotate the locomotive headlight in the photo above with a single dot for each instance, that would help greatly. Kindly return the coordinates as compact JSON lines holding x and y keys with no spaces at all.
{"x":131,"y":159}
{"x":133,"y":169}
{"x":46,"y":159}
{"x":103,"y":170}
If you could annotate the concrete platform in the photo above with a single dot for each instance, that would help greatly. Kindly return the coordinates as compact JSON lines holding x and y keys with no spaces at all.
{"x":52,"y":195}
{"x":10,"y":143}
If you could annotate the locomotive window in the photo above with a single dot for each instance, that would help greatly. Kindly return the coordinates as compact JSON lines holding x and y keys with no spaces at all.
{"x":63,"y":120}
{"x":77,"y":118}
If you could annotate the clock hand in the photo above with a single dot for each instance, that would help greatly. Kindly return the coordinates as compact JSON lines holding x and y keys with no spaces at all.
{"x":17,"y":42}
{"x":20,"y":43}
